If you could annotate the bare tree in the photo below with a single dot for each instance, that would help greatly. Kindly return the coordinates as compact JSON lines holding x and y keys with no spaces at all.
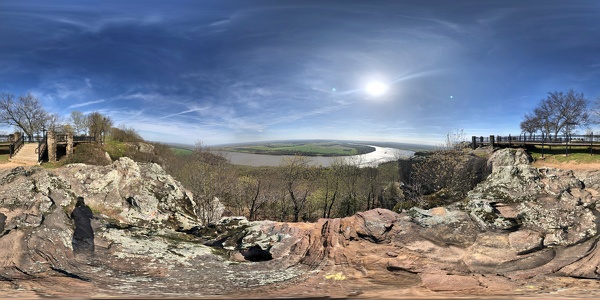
{"x":350,"y":176}
{"x":456,"y":140}
{"x":297,"y":174}
{"x":559,"y":112}
{"x":98,"y":125}
{"x":530,"y":124}
{"x":24,"y":112}
{"x":78,"y":122}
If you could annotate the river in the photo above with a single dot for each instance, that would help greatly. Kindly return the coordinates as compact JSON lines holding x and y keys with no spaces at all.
{"x":379,"y":156}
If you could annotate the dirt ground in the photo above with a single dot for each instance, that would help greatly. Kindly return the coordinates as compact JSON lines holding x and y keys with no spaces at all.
{"x":10,"y":165}
{"x":567,"y":165}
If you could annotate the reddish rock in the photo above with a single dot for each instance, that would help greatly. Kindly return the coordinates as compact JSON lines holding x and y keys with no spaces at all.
{"x":525,"y":241}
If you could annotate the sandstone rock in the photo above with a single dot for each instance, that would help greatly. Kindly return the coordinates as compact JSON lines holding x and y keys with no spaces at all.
{"x":445,"y":227}
{"x":488,"y":217}
{"x":445,"y":282}
{"x":509,"y":184}
{"x":586,"y":267}
{"x":563,"y":220}
{"x":525,"y":241}
{"x":2,"y":223}
{"x":148,"y":238}
{"x":132,"y":193}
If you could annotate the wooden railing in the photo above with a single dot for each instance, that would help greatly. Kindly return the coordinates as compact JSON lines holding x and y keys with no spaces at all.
{"x":83,"y":139}
{"x":42,"y":147}
{"x":527,"y":139}
{"x":16,"y":146}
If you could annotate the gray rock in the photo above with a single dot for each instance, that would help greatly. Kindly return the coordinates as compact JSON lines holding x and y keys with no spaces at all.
{"x":485,"y":214}
{"x":563,"y":219}
{"x":133,"y":193}
{"x":509,"y":157}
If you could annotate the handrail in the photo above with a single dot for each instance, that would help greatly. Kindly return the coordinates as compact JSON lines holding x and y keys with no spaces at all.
{"x":42,"y":146}
{"x":83,"y":139}
{"x":16,"y":146}
{"x":533,"y":139}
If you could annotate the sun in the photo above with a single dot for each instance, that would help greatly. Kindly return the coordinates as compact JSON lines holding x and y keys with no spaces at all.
{"x":376,"y":88}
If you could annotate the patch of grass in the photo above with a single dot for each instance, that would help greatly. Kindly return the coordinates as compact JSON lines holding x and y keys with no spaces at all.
{"x":116,"y":149}
{"x":51,"y":165}
{"x":181,"y":151}
{"x":577,"y":154}
{"x":4,"y":158}
{"x":91,"y":154}
{"x":307,"y":149}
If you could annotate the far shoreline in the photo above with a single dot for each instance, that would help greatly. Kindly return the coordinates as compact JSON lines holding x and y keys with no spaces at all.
{"x":379,"y":156}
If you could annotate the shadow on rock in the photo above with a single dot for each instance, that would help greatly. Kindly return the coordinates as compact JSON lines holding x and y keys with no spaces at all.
{"x":83,"y":237}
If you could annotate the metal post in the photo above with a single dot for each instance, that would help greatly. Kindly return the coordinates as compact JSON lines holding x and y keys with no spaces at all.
{"x":566,"y":144}
{"x":592,"y":143}
{"x":543,"y":145}
{"x":509,"y":141}
{"x":473,"y":142}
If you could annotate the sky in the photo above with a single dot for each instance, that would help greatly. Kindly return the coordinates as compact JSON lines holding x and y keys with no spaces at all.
{"x":228,"y":71}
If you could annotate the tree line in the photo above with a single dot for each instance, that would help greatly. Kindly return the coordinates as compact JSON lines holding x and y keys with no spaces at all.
{"x":26,"y":113}
{"x":297,"y":191}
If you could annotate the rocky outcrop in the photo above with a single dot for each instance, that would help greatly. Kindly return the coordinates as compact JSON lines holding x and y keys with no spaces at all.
{"x":38,"y":230}
{"x":554,"y":203}
{"x":148,"y":240}
{"x":131,"y":193}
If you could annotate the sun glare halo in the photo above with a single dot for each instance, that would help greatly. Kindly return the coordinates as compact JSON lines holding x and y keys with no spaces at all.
{"x":376,"y":88}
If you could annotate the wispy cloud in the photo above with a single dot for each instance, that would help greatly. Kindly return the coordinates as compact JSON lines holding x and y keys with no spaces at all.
{"x":183,"y":112}
{"x":77,"y":105}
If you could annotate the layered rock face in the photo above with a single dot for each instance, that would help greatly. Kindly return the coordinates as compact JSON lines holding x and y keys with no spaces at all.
{"x":522,"y":231}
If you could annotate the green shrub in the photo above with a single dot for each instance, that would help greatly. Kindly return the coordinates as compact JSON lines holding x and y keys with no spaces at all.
{"x":90,"y":154}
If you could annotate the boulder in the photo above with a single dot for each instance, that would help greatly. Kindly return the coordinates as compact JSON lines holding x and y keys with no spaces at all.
{"x":444,"y":226}
{"x":131,"y":193}
{"x":525,"y":241}
{"x":145,"y":147}
{"x":563,"y":220}
{"x":509,"y":157}
{"x":486,"y":215}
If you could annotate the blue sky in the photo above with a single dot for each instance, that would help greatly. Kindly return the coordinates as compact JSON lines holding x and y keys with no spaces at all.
{"x":237,"y":71}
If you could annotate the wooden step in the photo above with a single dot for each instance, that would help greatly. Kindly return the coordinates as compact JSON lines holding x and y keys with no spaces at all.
{"x":27,"y":154}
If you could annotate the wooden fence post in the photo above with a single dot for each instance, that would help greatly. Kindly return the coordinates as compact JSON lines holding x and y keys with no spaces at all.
{"x":492,"y":141}
{"x":474,"y":142}
{"x":543,"y":145}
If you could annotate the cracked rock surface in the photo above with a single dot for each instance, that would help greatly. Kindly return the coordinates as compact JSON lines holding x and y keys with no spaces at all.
{"x":540,"y":238}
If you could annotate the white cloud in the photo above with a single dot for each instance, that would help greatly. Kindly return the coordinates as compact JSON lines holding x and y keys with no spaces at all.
{"x":85,"y":103}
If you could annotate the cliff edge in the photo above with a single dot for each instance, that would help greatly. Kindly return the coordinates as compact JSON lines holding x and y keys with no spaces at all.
{"x":523,"y":231}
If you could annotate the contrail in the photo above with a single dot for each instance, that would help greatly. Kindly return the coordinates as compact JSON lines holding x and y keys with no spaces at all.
{"x":181,"y":113}
{"x":422,"y":74}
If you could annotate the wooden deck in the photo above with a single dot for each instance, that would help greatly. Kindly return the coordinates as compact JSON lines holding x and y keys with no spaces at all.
{"x":523,"y":140}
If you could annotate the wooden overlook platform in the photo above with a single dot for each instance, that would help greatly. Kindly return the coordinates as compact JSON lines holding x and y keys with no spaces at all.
{"x":523,"y":140}
{"x":41,"y":148}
